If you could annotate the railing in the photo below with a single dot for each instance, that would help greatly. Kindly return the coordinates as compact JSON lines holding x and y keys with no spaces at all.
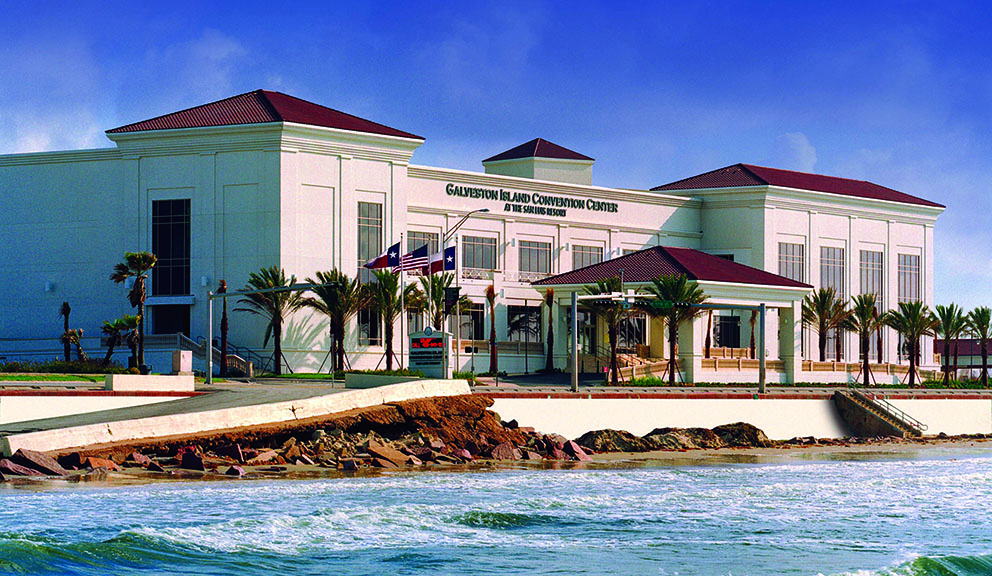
{"x":527,"y":276}
{"x":477,"y":274}
{"x":880,"y":403}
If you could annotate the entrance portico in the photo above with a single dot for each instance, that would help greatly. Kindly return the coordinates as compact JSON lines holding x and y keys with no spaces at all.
{"x":728,"y":286}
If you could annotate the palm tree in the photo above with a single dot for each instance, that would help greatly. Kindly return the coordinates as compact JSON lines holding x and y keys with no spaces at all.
{"x":117,"y":331}
{"x":386,"y":301}
{"x":339,"y":298}
{"x":823,"y":311}
{"x":980,"y":326}
{"x":64,"y":312}
{"x":549,"y":301}
{"x":682,"y":294}
{"x":709,"y":334}
{"x":272,"y":305}
{"x":432,"y":286}
{"x":224,"y":328}
{"x":950,"y":325}
{"x":864,"y":320}
{"x":73,"y":338}
{"x":136,"y":265}
{"x":493,"y":356}
{"x":913,"y":320}
{"x":611,"y":313}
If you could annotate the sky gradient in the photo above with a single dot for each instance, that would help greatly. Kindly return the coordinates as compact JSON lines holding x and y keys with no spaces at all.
{"x":897,"y":93}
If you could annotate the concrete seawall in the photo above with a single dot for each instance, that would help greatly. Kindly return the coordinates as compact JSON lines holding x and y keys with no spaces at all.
{"x":54,"y":439}
{"x":780,"y":417}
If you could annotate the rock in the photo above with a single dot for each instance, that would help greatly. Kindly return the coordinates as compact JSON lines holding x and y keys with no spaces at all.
{"x":39,"y":461}
{"x":235,"y":471}
{"x":273,"y":469}
{"x":413,"y":461}
{"x":289,"y":443}
{"x":575,"y":451}
{"x":317,"y":435}
{"x":463,"y":454}
{"x":73,"y":461}
{"x":184,"y":449}
{"x":9,"y":468}
{"x":2,"y":478}
{"x":531,"y":455}
{"x":139,"y":459}
{"x":742,"y":434}
{"x":335,"y":433}
{"x":506,"y":451}
{"x":232,"y":451}
{"x":512,"y":424}
{"x":684,"y":438}
{"x":192,"y":461}
{"x":263,"y":458}
{"x":526,"y":429}
{"x":99,"y":473}
{"x":93,"y":463}
{"x":304,"y":460}
{"x":436,"y":445}
{"x":388,"y":453}
{"x":615,"y":441}
{"x":557,"y":454}
{"x":348,"y":464}
{"x":292,"y":453}
{"x":155,"y":467}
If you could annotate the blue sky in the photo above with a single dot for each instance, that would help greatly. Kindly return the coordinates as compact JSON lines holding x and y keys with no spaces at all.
{"x":896,"y":93}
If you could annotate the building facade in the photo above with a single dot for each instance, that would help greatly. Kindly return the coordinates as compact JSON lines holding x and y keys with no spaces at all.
{"x":263,"y":178}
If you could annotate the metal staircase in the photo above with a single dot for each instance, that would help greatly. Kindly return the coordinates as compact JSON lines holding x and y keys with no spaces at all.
{"x":877,"y":415}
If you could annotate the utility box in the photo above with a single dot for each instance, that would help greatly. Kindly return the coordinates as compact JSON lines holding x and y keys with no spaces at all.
{"x":182,"y":362}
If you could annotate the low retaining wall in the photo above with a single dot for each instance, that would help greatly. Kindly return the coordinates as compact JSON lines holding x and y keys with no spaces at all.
{"x":780,"y":418}
{"x":26,"y":405}
{"x":237,"y":417}
{"x":149,"y":383}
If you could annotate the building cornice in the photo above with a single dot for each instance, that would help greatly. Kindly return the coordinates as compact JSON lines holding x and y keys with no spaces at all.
{"x":530,"y":184}
{"x":61,"y":156}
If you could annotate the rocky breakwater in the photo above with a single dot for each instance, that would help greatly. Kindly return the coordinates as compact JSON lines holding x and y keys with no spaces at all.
{"x":415,"y":433}
{"x":738,"y":435}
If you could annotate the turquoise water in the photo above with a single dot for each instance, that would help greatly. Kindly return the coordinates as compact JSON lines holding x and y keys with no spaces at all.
{"x":927,"y":514}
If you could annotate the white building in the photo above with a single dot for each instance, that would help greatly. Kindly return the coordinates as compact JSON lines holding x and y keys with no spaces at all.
{"x":263,"y":179}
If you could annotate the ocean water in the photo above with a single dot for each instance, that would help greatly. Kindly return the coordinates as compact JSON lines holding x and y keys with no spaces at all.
{"x":921,"y":514}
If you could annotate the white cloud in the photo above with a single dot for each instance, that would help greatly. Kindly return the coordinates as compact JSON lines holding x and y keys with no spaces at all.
{"x":197,"y":70}
{"x":794,"y":152}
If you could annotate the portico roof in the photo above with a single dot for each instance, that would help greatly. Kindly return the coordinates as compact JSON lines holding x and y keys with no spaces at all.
{"x":645,"y":265}
{"x":262,"y":107}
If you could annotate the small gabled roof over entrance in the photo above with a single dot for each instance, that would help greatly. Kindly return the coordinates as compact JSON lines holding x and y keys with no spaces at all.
{"x":740,"y":175}
{"x":262,"y":107}
{"x":648,"y":264}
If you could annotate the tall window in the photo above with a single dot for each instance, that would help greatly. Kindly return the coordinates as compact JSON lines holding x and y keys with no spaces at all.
{"x":369,"y":246}
{"x":171,"y":244}
{"x":583,"y":256}
{"x":909,"y":277}
{"x":418,"y":239}
{"x":535,"y":257}
{"x":832,"y":276}
{"x":473,"y":322}
{"x":524,"y":323}
{"x":791,"y":261}
{"x":872,"y":278}
{"x":170,"y":277}
{"x":479,"y":252}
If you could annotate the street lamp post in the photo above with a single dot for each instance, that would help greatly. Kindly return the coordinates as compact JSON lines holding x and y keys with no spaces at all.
{"x":458,"y":307}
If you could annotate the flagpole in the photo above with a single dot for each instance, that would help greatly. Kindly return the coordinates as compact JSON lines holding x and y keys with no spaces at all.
{"x":403,"y":334}
{"x":458,"y":314}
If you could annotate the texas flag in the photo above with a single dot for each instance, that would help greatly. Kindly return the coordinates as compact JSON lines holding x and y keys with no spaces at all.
{"x":441,"y":261}
{"x":388,"y":259}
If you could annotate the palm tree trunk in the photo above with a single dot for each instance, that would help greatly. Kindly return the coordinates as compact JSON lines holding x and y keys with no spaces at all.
{"x":879,"y":346}
{"x":549,"y":362}
{"x":912,"y":363}
{"x":614,"y":365}
{"x":493,"y":356}
{"x":837,"y":344}
{"x":141,"y":333}
{"x":946,"y":361}
{"x":673,"y":335}
{"x":111,"y":343}
{"x":223,"y":340}
{"x":277,"y":352}
{"x":822,"y":341}
{"x":339,"y":350}
{"x":955,"y":358}
{"x":985,"y":363}
{"x":865,"y":369}
{"x":389,"y":345}
{"x":709,"y":332}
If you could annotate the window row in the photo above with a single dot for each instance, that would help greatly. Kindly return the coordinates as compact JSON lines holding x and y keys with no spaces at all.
{"x":833,"y":270}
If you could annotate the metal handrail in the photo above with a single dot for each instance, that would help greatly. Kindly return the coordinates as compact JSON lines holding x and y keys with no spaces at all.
{"x":883,"y":404}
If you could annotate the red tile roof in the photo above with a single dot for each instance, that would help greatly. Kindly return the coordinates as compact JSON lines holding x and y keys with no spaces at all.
{"x":261,"y":107}
{"x":750,"y":175}
{"x":645,"y":265}
{"x":538,"y":148}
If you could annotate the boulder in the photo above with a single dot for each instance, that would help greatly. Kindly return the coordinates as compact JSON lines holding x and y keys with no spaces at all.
{"x":289,"y":443}
{"x":235,"y":471}
{"x":2,"y":478}
{"x":413,"y":461}
{"x":575,"y":451}
{"x":506,"y":451}
{"x":388,"y":453}
{"x":304,"y":460}
{"x":93,"y":463}
{"x":383,"y":463}
{"x":349,"y":464}
{"x":9,"y":468}
{"x":292,"y":453}
{"x":317,"y":435}
{"x":39,"y":461}
{"x":530,"y":455}
{"x":100,"y":473}
{"x":139,"y":459}
{"x":232,"y":451}
{"x":742,"y":434}
{"x":557,"y":454}
{"x":615,"y":441}
{"x":684,"y":438}
{"x":192,"y":461}
{"x":154,"y":466}
{"x":463,"y":454}
{"x":263,"y":458}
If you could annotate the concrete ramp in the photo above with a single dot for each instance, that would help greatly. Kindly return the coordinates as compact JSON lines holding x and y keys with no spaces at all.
{"x":867,"y":415}
{"x":54,"y":438}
